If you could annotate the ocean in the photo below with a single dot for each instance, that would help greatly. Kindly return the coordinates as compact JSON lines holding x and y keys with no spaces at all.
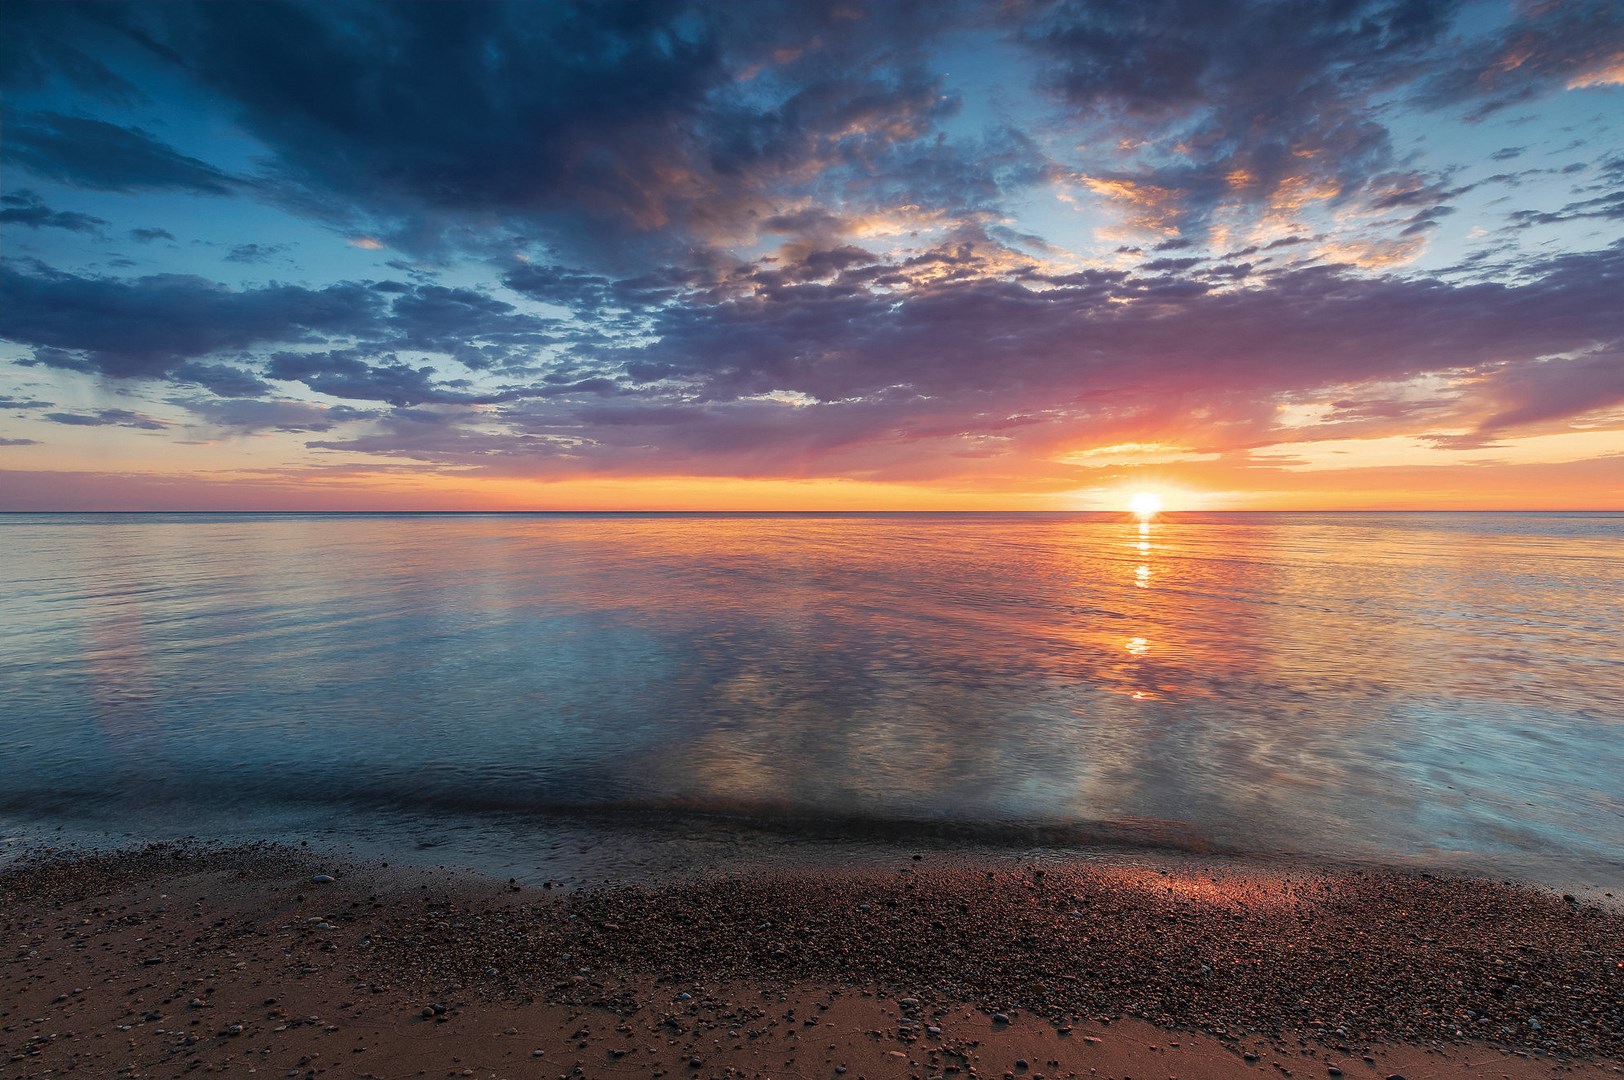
{"x":589,"y":697}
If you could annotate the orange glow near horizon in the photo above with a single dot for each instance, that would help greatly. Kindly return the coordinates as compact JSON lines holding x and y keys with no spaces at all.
{"x":159,"y":485}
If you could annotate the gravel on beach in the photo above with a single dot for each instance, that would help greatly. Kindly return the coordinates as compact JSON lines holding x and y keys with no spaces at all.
{"x":1347,"y":956}
{"x":1259,"y":958}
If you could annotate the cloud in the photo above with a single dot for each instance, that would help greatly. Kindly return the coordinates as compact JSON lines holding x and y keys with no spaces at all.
{"x":250,"y":415}
{"x":25,"y":208}
{"x":226,"y":380}
{"x":1548,"y":46}
{"x":150,"y":326}
{"x":1554,"y":388}
{"x":19,"y":442}
{"x":648,"y":125}
{"x":1211,"y":121}
{"x":46,"y":42}
{"x":798,"y":239}
{"x":1604,"y":200}
{"x":784,"y":371}
{"x":107,"y":418}
{"x":457,"y":321}
{"x":345,"y":374}
{"x":89,"y":153}
{"x":463,"y":107}
{"x":1201,"y":122}
{"x":170,"y":325}
{"x":255,"y":253}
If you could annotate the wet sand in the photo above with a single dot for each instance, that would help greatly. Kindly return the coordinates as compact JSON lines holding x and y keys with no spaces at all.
{"x":175,"y":960}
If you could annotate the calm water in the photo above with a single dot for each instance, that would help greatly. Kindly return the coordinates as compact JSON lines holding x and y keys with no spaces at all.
{"x":563,"y":695}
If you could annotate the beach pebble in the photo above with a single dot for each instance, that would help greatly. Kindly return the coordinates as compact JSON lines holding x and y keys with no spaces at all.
{"x":1000,"y":1018}
{"x":322,"y":879}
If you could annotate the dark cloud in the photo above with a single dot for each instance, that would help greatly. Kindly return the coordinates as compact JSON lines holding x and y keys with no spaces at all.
{"x":225,"y":380}
{"x":150,"y":326}
{"x":1548,"y":46}
{"x":1275,"y":104}
{"x":255,"y":253}
{"x":26,"y":208}
{"x":107,"y":418}
{"x":460,"y":108}
{"x":567,"y":288}
{"x":91,"y":153}
{"x":1239,"y":99}
{"x":460,"y":322}
{"x":1422,"y":220}
{"x":643,"y":123}
{"x":1157,"y":266}
{"x":1603,"y":199}
{"x":168,"y":326}
{"x":347,"y":374}
{"x":249,"y":415}
{"x":19,"y":442}
{"x":147,"y":236}
{"x":23,"y":403}
{"x":73,"y":43}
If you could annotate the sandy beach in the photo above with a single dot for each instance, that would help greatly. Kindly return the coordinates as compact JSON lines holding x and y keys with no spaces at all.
{"x":172,"y":960}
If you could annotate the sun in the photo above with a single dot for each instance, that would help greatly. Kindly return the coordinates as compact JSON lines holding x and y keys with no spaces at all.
{"x":1145,"y":504}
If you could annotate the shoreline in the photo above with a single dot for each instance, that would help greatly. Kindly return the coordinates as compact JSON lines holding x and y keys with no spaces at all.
{"x":693,"y":847}
{"x":795,"y":972}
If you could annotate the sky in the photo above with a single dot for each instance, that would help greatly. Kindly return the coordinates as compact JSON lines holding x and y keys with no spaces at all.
{"x":1241,"y":254}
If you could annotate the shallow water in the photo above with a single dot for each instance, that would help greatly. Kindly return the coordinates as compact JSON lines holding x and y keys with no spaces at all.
{"x":573,"y":694}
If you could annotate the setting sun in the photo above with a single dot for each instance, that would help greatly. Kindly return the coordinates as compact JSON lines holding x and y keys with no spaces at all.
{"x":1145,"y":504}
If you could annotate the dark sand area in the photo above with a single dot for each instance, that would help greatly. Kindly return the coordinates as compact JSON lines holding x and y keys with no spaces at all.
{"x":179,"y":960}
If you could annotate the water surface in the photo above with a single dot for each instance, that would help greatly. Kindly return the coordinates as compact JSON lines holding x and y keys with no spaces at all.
{"x":563,"y":693}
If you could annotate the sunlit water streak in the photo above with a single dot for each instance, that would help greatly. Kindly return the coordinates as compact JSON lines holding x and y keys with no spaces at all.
{"x":556,"y":695}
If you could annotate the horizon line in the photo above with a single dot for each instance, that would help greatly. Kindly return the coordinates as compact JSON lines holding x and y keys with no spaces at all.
{"x":819,"y":513}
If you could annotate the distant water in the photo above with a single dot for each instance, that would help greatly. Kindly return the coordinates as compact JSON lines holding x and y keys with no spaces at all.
{"x":570,"y":695}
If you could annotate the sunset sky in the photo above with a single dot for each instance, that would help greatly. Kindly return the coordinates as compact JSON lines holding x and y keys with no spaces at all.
{"x":806,"y":255}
